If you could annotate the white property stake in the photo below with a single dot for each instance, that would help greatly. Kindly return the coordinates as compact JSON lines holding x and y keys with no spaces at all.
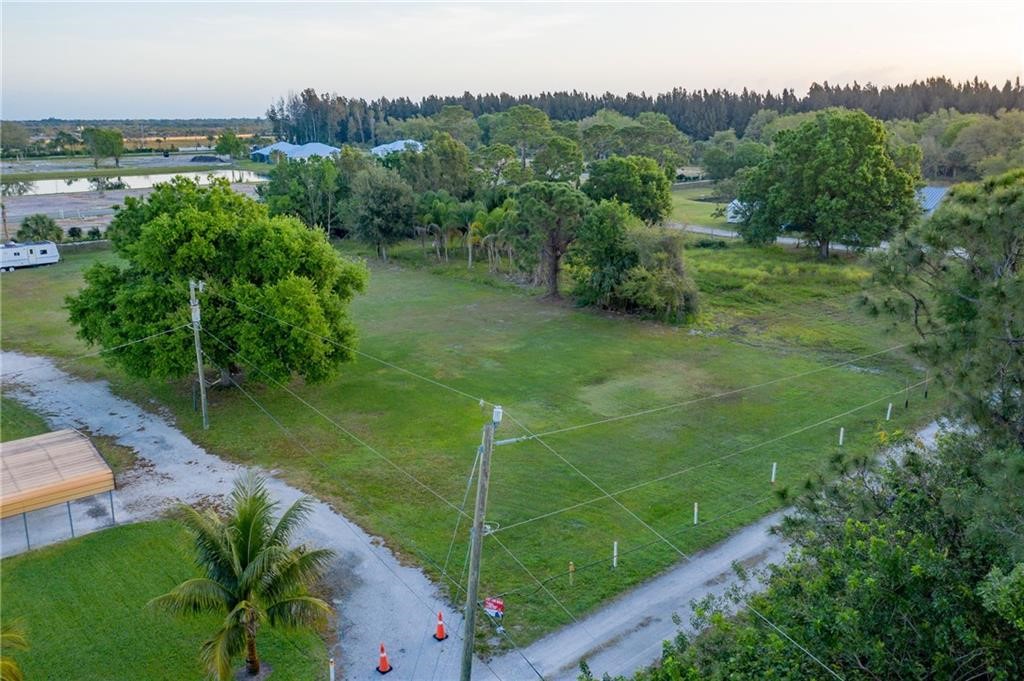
{"x":331,"y":668}
{"x":842,"y":432}
{"x":615,"y":554}
{"x":774,"y":466}
{"x":695,"y":513}
{"x":888,"y":412}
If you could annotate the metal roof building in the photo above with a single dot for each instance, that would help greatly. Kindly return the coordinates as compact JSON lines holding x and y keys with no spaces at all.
{"x":294,"y":151}
{"x":930,"y":198}
{"x":397,"y":145}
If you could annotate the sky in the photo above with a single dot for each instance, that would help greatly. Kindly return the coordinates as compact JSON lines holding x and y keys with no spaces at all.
{"x":226,"y":59}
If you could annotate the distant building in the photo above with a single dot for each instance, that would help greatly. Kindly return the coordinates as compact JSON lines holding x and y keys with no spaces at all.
{"x":930,"y":198}
{"x":734,"y":212}
{"x":293,"y":151}
{"x":398,"y":145}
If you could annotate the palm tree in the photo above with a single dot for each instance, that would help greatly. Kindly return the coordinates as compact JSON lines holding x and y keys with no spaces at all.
{"x":252,"y":575}
{"x":12,"y":637}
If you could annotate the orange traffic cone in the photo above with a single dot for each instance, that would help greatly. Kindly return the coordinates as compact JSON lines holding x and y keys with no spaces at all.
{"x":440,"y":634}
{"x":384,"y":667}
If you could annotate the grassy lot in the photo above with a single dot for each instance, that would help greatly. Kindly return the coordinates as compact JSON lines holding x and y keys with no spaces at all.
{"x":17,"y":422}
{"x":767,"y":314}
{"x":690,"y":206}
{"x":84,"y":605}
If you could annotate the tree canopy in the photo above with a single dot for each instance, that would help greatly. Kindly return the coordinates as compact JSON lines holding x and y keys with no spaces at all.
{"x":384,"y":205}
{"x":40,"y":227}
{"x":104,"y":143}
{"x":633,"y":180}
{"x":959,"y":278}
{"x":833,"y":179}
{"x":230,"y":144}
{"x":256,"y":267}
{"x":548,"y":218}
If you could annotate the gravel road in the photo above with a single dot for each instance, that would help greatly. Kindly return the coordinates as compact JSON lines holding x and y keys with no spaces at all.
{"x":378,"y":598}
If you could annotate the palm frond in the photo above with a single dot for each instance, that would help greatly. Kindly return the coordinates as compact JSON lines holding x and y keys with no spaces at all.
{"x":290,"y":521}
{"x":9,"y":670}
{"x":298,"y":611}
{"x":217,"y":653}
{"x":262,"y":568}
{"x":293,"y":576}
{"x":213,"y":546}
{"x":194,"y":596}
{"x":13,"y":635}
{"x":251,"y":516}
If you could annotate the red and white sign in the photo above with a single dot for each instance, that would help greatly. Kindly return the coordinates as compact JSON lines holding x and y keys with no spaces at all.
{"x":495,"y":607}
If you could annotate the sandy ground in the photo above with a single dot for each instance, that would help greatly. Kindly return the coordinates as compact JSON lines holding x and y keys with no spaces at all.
{"x":378,"y":599}
{"x":52,"y":165}
{"x":82,"y":203}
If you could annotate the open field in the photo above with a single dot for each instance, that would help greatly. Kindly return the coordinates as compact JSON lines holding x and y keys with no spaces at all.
{"x":689,"y":208}
{"x":767,"y":314}
{"x":84,"y":605}
{"x":17,"y":422}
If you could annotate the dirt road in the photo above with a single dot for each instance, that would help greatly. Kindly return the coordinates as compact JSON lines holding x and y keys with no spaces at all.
{"x":378,"y":598}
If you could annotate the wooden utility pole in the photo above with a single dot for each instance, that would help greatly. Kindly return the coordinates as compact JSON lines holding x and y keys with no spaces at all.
{"x":194,"y":304}
{"x":476,"y":546}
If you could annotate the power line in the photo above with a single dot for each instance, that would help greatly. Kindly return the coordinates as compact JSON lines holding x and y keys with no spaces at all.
{"x":663,"y":538}
{"x":694,"y":467}
{"x":346,"y":522}
{"x":676,"y":405}
{"x":51,"y":364}
{"x":350,"y":348}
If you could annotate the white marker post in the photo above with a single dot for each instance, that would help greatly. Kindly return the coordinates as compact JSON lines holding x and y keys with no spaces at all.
{"x":331,"y":668}
{"x":888,"y":412}
{"x":774,"y":468}
{"x":615,"y":554}
{"x":695,"y":513}
{"x":842,"y":432}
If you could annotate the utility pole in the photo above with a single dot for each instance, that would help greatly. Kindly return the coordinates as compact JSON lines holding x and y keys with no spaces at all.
{"x":194,"y":304}
{"x":476,"y":546}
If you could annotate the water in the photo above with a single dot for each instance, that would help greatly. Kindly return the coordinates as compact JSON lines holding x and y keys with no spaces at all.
{"x":92,"y":184}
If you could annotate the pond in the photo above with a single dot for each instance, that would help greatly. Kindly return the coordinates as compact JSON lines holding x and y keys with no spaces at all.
{"x":92,"y":184}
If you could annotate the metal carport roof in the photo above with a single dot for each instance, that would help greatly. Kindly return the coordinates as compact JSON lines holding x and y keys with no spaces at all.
{"x":50,"y":469}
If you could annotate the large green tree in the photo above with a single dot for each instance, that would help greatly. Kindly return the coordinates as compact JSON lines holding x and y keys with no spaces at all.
{"x":548,"y":218}
{"x":104,"y":143}
{"x":230,"y":144}
{"x":559,"y":160}
{"x":833,"y":179}
{"x":384,"y":208}
{"x":307,"y":189}
{"x":523,"y":127}
{"x":959,"y":278}
{"x":633,"y":180}
{"x":252,"y":575}
{"x":257,"y":268}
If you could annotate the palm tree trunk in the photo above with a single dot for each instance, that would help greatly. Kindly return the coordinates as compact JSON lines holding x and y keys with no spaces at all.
{"x":252,"y":658}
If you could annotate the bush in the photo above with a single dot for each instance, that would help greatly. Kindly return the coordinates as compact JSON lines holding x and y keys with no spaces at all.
{"x":659,"y":285}
{"x":40,"y":227}
{"x":95,"y":233}
{"x":75,"y":233}
{"x":713,"y":244}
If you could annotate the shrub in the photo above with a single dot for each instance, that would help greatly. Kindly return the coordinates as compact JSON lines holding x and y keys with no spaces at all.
{"x":94,"y":233}
{"x":74,"y":233}
{"x":40,"y":227}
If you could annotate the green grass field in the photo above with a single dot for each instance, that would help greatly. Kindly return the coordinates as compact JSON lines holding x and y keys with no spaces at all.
{"x":84,"y":605}
{"x":689,"y":206}
{"x":766,"y":314}
{"x":17,"y":422}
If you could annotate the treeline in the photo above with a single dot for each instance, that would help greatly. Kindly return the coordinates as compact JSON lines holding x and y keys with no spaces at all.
{"x":333,"y":119}
{"x":131,"y":127}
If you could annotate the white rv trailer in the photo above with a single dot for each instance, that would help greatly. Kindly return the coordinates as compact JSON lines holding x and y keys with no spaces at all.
{"x":13,"y":254}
